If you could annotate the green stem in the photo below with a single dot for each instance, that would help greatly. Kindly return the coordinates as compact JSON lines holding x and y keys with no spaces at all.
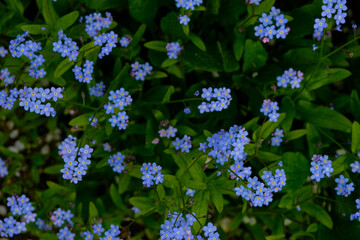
{"x":192,"y":164}
{"x":77,"y":104}
{"x":341,"y":47}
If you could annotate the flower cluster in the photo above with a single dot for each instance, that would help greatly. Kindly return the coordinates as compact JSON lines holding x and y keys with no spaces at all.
{"x":272,"y":25}
{"x":10,"y":227}
{"x":42,"y":226}
{"x":3,"y":52}
{"x":118,"y":101}
{"x":342,"y":187}
{"x":65,"y":234}
{"x":34,"y":99}
{"x":321,"y":166}
{"x":355,"y":167}
{"x":255,"y":191}
{"x":140,"y":71}
{"x":66,"y":46}
{"x":112,"y":233}
{"x":168,"y":133}
{"x":290,"y":76}
{"x":220,"y":99}
{"x":173,"y":49}
{"x":183,"y":144}
{"x":76,"y":160}
{"x":21,"y":206}
{"x":228,"y":144}
{"x":210,"y":232}
{"x":177,"y":226}
{"x":5,"y":74}
{"x":151,"y":174}
{"x":277,"y":139}
{"x":109,"y":39}
{"x":270,"y":108}
{"x":330,"y":8}
{"x":97,"y":90}
{"x":357,"y":214}
{"x":3,"y":169}
{"x":84,"y":74}
{"x":256,"y":2}
{"x":7,"y":101}
{"x":116,"y":161}
{"x":59,"y":217}
{"x":28,"y":49}
{"x":94,"y":23}
{"x":187,"y":5}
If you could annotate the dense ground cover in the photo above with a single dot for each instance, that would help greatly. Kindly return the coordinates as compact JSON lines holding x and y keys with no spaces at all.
{"x":179,"y":119}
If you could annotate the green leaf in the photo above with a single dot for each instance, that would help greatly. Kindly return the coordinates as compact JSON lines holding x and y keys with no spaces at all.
{"x":161,"y":191}
{"x":318,"y":213}
{"x":66,"y":21}
{"x":296,"y":168}
{"x":255,"y":56}
{"x":16,"y":5}
{"x":295,"y":134}
{"x":323,"y":116}
{"x":145,"y":204}
{"x":194,"y":185}
{"x":115,"y":197}
{"x":82,"y":120}
{"x":158,"y":74}
{"x":63,"y":67}
{"x":54,"y":169}
{"x":339,"y":165}
{"x":200,"y":207}
{"x":168,"y":62}
{"x":168,"y":94}
{"x":56,"y":186}
{"x":143,"y":10}
{"x":268,"y":156}
{"x":322,"y":78}
{"x":229,"y":62}
{"x":171,"y":27}
{"x":288,"y":106}
{"x":268,"y":127}
{"x":312,"y":228}
{"x":355,"y":139}
{"x":197,"y":41}
{"x":121,"y":78}
{"x":156,"y":45}
{"x":108,"y":128}
{"x":93,"y":212}
{"x":208,"y":61}
{"x":355,"y":104}
{"x":48,"y":12}
{"x":138,"y":35}
{"x":275,"y":237}
{"x":265,"y":6}
{"x":239,"y":45}
{"x":216,"y":197}
{"x":33,"y":29}
{"x":186,"y":29}
{"x":59,"y":81}
{"x":313,"y":138}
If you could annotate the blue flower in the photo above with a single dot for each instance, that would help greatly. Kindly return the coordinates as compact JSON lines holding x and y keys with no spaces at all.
{"x":184,"y":19}
{"x":320,"y":24}
{"x":190,"y":192}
